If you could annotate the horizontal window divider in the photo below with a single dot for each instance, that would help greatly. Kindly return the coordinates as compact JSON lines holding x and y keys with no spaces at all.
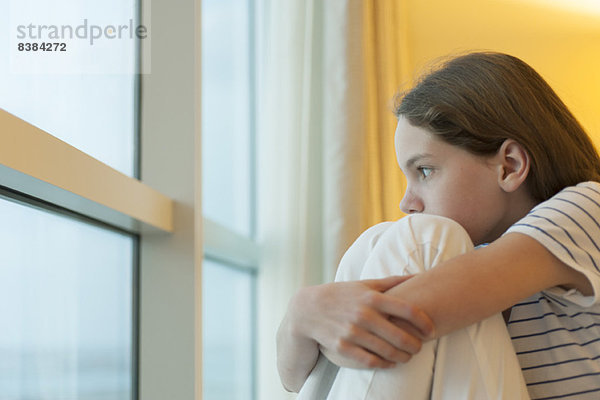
{"x":37,"y":164}
{"x":223,"y":244}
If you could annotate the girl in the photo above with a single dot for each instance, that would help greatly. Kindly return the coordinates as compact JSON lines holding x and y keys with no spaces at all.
{"x":482,"y":140}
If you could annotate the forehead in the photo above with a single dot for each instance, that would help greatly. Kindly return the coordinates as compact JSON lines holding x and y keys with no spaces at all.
{"x":412,"y":141}
{"x":404,"y":130}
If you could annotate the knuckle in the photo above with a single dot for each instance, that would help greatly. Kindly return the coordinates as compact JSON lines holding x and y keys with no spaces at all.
{"x":340,"y":346}
{"x":389,"y":353}
{"x":371,"y":298}
{"x":404,"y":358}
{"x":407,"y":344}
{"x":371,"y":362}
{"x":351,"y":333}
{"x":400,"y":340}
{"x":417,"y":346}
{"x":412,"y":313}
{"x":406,"y":310}
{"x":361,"y":316}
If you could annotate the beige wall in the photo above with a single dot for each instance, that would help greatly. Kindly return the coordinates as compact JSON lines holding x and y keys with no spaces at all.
{"x":560,"y":39}
{"x":561,"y":43}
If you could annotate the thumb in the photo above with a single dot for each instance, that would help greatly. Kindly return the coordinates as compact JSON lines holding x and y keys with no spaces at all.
{"x":381,"y":285}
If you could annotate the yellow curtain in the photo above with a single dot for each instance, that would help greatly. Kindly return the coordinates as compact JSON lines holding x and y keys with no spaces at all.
{"x":386,"y":68}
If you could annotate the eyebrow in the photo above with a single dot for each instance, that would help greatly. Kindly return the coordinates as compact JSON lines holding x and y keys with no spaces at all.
{"x":411,"y":161}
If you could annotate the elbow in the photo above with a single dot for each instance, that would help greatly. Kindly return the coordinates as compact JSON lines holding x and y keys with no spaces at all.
{"x":289,"y":384}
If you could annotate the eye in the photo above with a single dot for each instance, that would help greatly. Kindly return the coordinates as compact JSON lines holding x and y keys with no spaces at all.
{"x":424,"y":172}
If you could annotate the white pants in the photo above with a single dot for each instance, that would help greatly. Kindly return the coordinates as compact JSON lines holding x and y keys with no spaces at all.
{"x":477,"y":362}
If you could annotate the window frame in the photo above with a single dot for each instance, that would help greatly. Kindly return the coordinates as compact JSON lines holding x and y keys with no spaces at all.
{"x":40,"y":171}
{"x":39,"y":165}
{"x":171,"y":265}
{"x":162,"y":208}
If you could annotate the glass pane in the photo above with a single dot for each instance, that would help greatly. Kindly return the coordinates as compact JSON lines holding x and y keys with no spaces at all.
{"x":66,"y":307}
{"x":228,"y":332}
{"x":226,"y":122}
{"x":85,"y":95}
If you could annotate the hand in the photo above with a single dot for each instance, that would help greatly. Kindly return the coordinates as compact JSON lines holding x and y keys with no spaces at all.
{"x":358,"y":326}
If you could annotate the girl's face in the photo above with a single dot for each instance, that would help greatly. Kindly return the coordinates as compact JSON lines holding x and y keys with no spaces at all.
{"x":448,"y":181}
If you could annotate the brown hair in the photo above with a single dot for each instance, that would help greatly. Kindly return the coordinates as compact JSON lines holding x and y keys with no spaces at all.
{"x":478,"y":100}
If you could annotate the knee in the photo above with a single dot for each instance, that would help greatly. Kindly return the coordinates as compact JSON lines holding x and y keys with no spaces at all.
{"x":424,"y":241}
{"x":432,"y":229}
{"x":415,"y":244}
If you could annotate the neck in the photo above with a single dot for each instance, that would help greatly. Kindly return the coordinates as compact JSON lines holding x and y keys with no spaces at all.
{"x":517,"y":205}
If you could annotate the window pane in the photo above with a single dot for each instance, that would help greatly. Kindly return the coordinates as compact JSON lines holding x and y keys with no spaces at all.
{"x":228,"y":332}
{"x":85,"y":96}
{"x":226,"y":122}
{"x":66,"y":306}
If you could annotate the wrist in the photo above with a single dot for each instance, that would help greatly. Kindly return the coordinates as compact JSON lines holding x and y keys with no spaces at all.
{"x":300,"y":309}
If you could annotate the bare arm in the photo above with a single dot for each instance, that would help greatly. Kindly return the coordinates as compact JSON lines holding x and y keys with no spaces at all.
{"x":297,"y":352}
{"x":471,"y":287}
{"x":455,"y":294}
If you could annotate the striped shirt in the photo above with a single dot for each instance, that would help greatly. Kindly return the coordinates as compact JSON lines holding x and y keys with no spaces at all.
{"x":556,"y":333}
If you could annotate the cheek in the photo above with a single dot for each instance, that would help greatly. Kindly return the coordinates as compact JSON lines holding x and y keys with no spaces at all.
{"x":451,"y":195}
{"x":469,"y":216}
{"x":462,"y":195}
{"x":465,"y":204}
{"x":478,"y":214}
{"x":445,"y":202}
{"x":455,"y":209}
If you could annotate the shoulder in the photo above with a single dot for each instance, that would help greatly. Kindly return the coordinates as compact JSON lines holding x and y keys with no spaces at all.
{"x":568,"y":225}
{"x":578,"y":205}
{"x":573,"y":207}
{"x":585,"y":195}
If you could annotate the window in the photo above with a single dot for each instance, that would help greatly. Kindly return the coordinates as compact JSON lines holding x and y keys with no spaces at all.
{"x":68,"y":275}
{"x":229,"y":331}
{"x":88,"y":98}
{"x":66,"y":290}
{"x":227,"y":121}
{"x":229,"y":268}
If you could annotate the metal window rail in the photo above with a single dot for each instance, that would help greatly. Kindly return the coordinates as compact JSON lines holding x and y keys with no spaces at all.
{"x":37,"y":164}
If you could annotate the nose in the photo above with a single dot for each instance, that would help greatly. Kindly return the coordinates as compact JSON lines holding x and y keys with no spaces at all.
{"x":411,"y":203}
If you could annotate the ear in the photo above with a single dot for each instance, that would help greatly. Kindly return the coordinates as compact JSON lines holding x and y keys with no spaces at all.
{"x":513,"y":163}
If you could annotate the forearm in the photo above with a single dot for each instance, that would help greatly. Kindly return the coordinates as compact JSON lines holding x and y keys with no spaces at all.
{"x":296,"y":352}
{"x":471,"y":287}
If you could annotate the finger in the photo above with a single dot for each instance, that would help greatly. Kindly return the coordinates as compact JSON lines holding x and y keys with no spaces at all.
{"x":381,"y":285}
{"x":377,"y":350}
{"x":356,"y":357}
{"x":406,"y":327}
{"x":401,"y":334}
{"x":386,"y":349}
{"x":368,"y":324}
{"x":397,"y":308}
{"x":402,"y":338}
